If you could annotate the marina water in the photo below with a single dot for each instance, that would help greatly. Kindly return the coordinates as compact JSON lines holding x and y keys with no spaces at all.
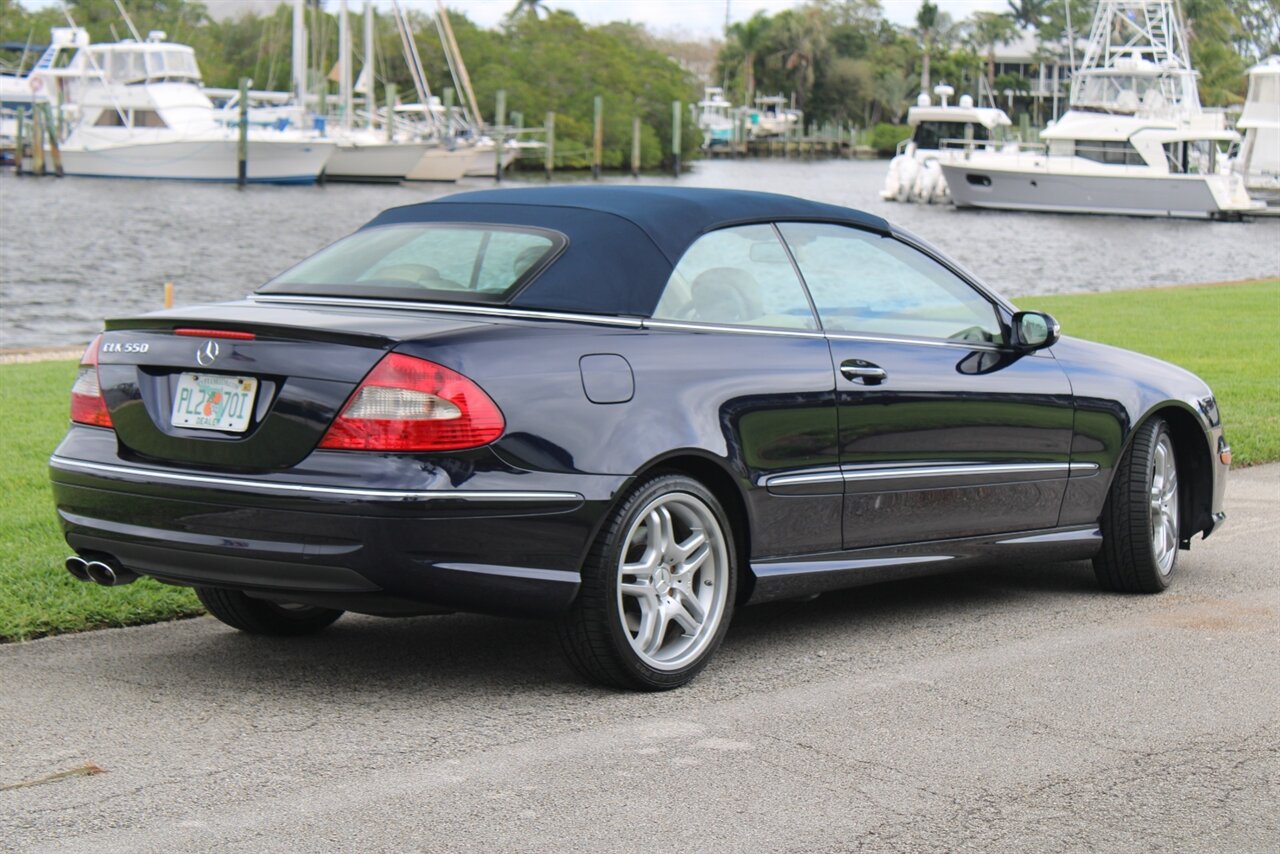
{"x":77,"y":250}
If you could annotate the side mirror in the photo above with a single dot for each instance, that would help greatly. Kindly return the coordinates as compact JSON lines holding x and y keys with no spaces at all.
{"x":1034,"y":330}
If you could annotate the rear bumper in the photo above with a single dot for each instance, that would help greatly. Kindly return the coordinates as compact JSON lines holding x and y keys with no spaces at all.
{"x":487,"y":549}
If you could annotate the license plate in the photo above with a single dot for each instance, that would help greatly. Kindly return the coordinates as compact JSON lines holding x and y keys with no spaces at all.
{"x":214,"y":402}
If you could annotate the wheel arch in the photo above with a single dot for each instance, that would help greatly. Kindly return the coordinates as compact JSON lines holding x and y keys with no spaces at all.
{"x":1191,"y":449}
{"x":713,"y":473}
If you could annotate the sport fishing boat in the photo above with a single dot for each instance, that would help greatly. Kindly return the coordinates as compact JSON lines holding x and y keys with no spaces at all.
{"x":137,"y":110}
{"x":1259,"y":160}
{"x":914,"y":173}
{"x":1135,"y":141}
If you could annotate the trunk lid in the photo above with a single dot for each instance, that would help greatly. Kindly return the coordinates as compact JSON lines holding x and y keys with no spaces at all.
{"x":283,"y":386}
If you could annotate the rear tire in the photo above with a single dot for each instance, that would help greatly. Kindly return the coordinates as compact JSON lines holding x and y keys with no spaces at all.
{"x":1141,"y":528}
{"x":657,"y":589}
{"x":260,"y":617}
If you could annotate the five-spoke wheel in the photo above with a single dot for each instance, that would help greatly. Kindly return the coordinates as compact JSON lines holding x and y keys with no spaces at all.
{"x":657,"y":591}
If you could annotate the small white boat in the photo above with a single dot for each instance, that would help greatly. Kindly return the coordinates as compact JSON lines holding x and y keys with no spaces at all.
{"x":914,"y":172}
{"x":439,"y":163}
{"x":713,"y":117}
{"x":772,"y":117}
{"x":139,"y":112}
{"x":1135,"y":141}
{"x":1259,"y":160}
{"x":484,"y":160}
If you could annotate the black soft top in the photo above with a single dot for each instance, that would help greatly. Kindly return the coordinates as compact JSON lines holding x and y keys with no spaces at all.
{"x":623,"y":241}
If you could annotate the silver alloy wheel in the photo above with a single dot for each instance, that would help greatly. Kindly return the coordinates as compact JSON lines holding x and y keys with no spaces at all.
{"x":1164,"y":505}
{"x":672,"y":581}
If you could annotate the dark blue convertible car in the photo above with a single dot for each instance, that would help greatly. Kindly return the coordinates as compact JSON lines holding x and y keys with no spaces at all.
{"x":631,"y":410}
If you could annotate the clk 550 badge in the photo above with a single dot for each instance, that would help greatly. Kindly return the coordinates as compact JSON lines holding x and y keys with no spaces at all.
{"x":125,"y":347}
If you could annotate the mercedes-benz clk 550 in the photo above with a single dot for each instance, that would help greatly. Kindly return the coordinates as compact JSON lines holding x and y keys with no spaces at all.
{"x":629,"y":410}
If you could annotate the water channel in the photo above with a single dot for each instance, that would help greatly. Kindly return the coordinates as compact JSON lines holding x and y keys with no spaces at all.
{"x":76,"y":250}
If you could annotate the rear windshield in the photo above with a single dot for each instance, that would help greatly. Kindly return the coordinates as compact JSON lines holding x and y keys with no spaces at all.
{"x":425,"y":261}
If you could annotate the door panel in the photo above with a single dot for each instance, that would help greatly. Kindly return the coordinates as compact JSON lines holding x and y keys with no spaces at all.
{"x":933,"y":452}
{"x":943,"y":432}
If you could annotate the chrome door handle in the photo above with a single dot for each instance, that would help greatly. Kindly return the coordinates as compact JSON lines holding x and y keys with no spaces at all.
{"x":858,"y":371}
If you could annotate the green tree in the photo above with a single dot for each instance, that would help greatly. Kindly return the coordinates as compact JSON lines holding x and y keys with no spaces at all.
{"x":988,"y":29}
{"x":748,"y":38}
{"x":933,"y":29}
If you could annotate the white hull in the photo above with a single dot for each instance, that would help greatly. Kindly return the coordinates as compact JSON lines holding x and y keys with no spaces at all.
{"x":1131,"y":193}
{"x":481,"y":164}
{"x":200,"y":160}
{"x":441,"y":164}
{"x":374,"y":162}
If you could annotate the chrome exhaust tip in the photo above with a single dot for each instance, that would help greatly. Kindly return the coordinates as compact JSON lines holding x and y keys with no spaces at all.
{"x":109,"y":574}
{"x":78,"y":567}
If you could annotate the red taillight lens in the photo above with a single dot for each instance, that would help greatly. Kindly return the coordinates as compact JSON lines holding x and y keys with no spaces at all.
{"x":409,"y":404}
{"x":87,"y":403}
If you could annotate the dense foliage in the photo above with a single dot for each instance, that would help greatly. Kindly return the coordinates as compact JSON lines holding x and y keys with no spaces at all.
{"x":843,"y":61}
{"x":545,"y":61}
{"x":840,"y":60}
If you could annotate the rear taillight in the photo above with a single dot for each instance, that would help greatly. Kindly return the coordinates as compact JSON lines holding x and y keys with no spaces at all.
{"x":409,"y":404}
{"x":87,"y":403}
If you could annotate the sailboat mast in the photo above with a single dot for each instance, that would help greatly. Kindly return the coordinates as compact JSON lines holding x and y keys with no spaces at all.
{"x":299,"y":57}
{"x":344,"y":62}
{"x":368,"y":73}
{"x":455,"y":56}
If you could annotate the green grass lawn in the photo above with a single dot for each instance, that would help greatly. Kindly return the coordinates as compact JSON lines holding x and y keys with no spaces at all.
{"x":1228,"y":334}
{"x":37,"y":596}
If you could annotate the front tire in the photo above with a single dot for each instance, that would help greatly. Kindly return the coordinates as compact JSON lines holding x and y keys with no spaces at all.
{"x":260,"y":617}
{"x":1141,"y":527}
{"x":657,"y":589}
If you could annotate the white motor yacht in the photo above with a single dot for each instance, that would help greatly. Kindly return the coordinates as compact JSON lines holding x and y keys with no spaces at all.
{"x":713,"y":117}
{"x":914,"y":174}
{"x":139,"y":112}
{"x":1135,"y":141}
{"x":1259,"y":160}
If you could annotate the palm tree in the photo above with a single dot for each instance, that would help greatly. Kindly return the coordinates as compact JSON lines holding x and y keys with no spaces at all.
{"x":932,"y":28}
{"x":525,"y":8}
{"x":1028,"y":14}
{"x":988,"y":30}
{"x":803,"y":41}
{"x":749,"y":37}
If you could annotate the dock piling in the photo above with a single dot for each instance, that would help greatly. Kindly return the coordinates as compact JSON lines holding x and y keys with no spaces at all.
{"x":550,"y":152}
{"x":242,"y":145}
{"x":55,"y":153}
{"x":597,"y":138}
{"x":676,"y":111}
{"x":635,"y":147}
{"x":37,"y":142}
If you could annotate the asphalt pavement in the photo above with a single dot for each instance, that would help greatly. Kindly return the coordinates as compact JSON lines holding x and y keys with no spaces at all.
{"x":1002,"y":709}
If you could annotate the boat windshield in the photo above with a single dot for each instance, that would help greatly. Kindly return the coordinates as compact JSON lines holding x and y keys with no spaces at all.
{"x":145,"y":63}
{"x":1127,"y":93}
{"x":939,"y":135}
{"x":436,"y":262}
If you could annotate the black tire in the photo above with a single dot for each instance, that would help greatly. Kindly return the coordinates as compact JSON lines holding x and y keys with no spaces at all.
{"x":597,"y":635}
{"x":260,"y":617}
{"x":1130,"y":560}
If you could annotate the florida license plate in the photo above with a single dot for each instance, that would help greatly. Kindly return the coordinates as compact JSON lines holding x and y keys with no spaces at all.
{"x":214,"y":402}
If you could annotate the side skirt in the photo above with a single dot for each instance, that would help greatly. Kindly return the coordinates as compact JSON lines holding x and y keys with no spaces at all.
{"x":804,"y":575}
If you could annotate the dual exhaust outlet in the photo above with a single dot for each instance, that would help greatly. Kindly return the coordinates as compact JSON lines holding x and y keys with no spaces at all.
{"x":106,"y":571}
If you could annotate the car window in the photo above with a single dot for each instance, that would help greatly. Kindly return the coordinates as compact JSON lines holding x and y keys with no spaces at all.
{"x":459,"y":263}
{"x":737,"y":276}
{"x":863,"y":282}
